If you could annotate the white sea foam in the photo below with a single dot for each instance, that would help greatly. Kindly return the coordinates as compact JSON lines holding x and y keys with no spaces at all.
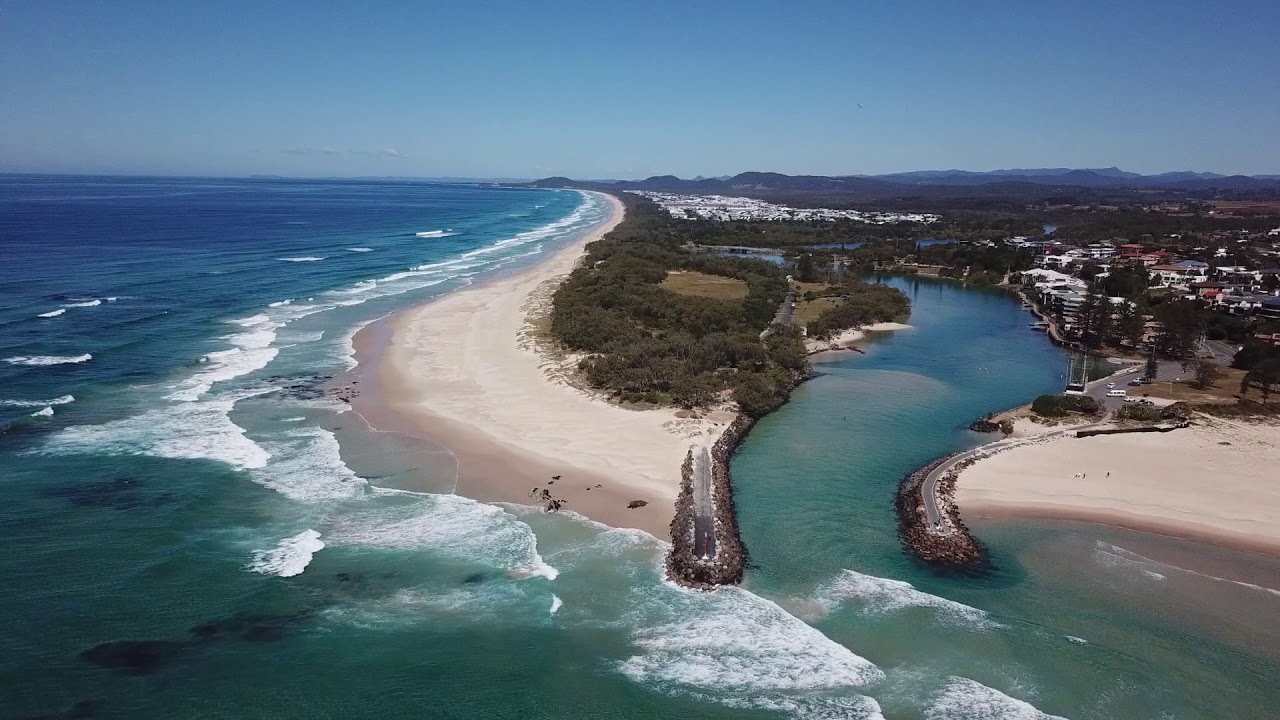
{"x":450,"y":525}
{"x":292,"y":419}
{"x":360,"y":249}
{"x":52,"y":313}
{"x":347,"y":348}
{"x":556,"y":604}
{"x":436,"y":233}
{"x":84,"y":303}
{"x":812,"y":706}
{"x":47,"y":412}
{"x":1115,"y":556}
{"x":199,"y":430}
{"x":63,"y":400}
{"x":289,"y":557}
{"x":308,"y":258}
{"x":884,"y":595}
{"x":307,"y":466}
{"x":251,"y":351}
{"x":1118,"y":558}
{"x":41,"y":360}
{"x":738,"y":647}
{"x":965,"y":699}
{"x":280,"y":303}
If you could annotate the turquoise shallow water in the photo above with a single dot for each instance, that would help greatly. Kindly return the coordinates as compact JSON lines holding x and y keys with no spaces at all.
{"x":222,"y":542}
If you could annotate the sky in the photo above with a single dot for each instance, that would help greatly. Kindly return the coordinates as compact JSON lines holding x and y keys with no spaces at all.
{"x":631,"y":89}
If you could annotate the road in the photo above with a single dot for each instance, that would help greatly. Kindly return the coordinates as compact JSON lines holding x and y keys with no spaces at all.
{"x":704,"y":534}
{"x":786,"y":311}
{"x":1221,"y":352}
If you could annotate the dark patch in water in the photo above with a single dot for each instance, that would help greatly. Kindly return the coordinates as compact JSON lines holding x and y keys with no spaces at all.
{"x":136,"y":657}
{"x":122,"y":493}
{"x":474,"y":578}
{"x":79,"y":711}
{"x":254,"y":627}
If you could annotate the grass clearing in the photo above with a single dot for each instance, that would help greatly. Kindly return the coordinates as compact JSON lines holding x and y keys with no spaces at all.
{"x":1225,"y":390}
{"x":808,"y":310}
{"x":688,"y":282}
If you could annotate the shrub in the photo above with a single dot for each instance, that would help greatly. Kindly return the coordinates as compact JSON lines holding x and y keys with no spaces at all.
{"x":1143,"y":413}
{"x":1059,"y":405}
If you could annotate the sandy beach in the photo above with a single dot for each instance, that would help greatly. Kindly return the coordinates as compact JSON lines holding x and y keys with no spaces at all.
{"x":846,"y":339}
{"x":469,"y":371}
{"x":1213,"y":482}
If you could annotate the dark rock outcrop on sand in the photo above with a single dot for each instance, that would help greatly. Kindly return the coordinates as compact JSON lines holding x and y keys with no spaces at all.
{"x":955,"y":548}
{"x":684,"y":566}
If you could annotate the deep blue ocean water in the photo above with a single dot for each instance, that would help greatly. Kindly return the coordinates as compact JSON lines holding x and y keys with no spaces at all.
{"x":192,"y":530}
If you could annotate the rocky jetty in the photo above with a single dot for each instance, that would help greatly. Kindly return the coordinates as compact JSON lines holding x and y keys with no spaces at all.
{"x":987,"y":425}
{"x":684,"y":566}
{"x":954,"y":547}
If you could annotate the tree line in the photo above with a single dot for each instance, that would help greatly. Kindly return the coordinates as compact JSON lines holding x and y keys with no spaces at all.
{"x":646,"y":344}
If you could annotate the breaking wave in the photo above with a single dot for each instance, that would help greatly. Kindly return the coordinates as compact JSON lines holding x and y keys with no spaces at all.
{"x":47,"y":412}
{"x":63,"y":400}
{"x":290,"y":557}
{"x":309,"y":258}
{"x":360,"y":249}
{"x":435,"y":233}
{"x":41,"y":360}
{"x":192,"y":431}
{"x":52,"y":313}
{"x":85,"y":303}
{"x":965,"y":699}
{"x":885,"y":595}
{"x":741,"y":650}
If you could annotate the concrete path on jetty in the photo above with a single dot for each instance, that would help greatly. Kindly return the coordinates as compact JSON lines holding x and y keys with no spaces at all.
{"x":704,"y":524}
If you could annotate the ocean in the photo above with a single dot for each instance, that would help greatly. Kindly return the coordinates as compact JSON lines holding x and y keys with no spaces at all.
{"x":194,"y":528}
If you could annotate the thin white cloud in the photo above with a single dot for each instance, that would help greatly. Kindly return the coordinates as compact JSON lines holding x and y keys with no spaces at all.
{"x":326,"y":150}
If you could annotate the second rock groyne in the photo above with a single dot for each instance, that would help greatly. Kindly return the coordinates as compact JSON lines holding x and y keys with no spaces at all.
{"x":953,"y":546}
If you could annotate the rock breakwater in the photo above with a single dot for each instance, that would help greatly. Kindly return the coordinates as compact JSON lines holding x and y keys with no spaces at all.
{"x":950,"y":545}
{"x":684,"y":565}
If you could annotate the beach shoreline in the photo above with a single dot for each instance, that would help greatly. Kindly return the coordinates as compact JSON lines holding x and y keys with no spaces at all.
{"x":469,"y":371}
{"x":1206,"y":483}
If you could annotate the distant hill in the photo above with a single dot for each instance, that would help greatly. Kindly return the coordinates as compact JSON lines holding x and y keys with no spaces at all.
{"x":1017,"y":183}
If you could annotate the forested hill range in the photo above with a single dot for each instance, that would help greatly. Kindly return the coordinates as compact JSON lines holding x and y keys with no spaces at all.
{"x":1030,"y":184}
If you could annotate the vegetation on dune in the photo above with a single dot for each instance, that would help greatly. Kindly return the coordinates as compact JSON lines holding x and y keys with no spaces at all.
{"x":861,"y":303}
{"x":646,"y":343}
{"x":1060,"y":405}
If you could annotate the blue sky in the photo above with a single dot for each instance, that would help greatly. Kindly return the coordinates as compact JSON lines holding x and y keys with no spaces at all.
{"x":524,"y":89}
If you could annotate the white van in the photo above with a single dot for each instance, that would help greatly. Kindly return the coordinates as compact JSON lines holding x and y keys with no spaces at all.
{"x":1118,"y":392}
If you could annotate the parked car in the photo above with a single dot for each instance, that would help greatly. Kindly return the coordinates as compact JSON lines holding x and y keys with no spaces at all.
{"x":1135,"y":383}
{"x":1131,"y":399}
{"x":1110,"y":385}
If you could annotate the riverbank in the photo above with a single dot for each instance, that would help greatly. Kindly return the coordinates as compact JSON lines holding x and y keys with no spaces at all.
{"x":1211,"y":482}
{"x":846,"y":339}
{"x":469,"y":371}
